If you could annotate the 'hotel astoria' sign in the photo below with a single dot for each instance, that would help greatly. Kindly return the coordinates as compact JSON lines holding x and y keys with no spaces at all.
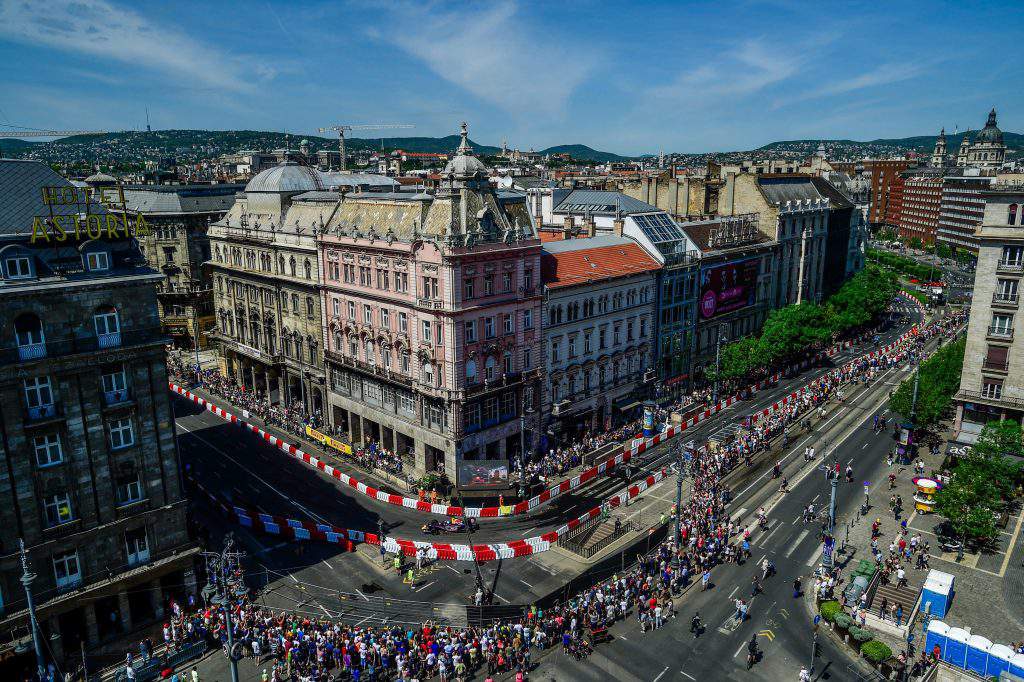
{"x":82,"y":224}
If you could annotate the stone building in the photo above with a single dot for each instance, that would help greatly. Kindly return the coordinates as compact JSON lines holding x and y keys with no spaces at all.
{"x":962,"y":208}
{"x":432,"y":323}
{"x":91,"y":480}
{"x":794,"y":213}
{"x":265,"y":285}
{"x":599,"y":302}
{"x":987,"y":150}
{"x":920,"y":205}
{"x":178,"y":246}
{"x":992,"y":382}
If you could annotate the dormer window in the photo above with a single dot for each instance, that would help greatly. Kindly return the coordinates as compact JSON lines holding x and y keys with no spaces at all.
{"x":97,"y":261}
{"x":18,"y":267}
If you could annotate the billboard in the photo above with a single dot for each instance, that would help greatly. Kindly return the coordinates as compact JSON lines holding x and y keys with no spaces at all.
{"x":728,"y":287}
{"x":483,"y":473}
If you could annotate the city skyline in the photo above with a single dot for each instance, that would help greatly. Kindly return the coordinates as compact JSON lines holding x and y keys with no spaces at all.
{"x":724,"y":79}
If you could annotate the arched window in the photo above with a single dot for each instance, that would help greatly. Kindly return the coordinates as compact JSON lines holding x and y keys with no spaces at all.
{"x":338,"y":343}
{"x":108,"y":327}
{"x":295,"y":304}
{"x":371,"y":357}
{"x":428,"y":374}
{"x":280,"y":265}
{"x":299,"y":355}
{"x":489,"y":368}
{"x":308,"y":269}
{"x":1011,"y":216}
{"x":471,"y":371}
{"x":28,"y":332}
{"x":291,"y":265}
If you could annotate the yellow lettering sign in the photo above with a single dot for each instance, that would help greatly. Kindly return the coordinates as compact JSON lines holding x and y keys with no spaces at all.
{"x":38,"y":231}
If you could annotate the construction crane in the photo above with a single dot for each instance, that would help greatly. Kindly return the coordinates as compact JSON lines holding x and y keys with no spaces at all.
{"x":340,"y":129}
{"x":38,"y":132}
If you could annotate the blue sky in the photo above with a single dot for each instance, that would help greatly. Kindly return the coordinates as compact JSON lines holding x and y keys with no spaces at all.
{"x":632,"y":77}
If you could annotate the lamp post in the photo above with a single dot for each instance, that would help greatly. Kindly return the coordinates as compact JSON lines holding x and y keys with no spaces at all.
{"x":27,"y":577}
{"x":718,"y":362}
{"x":680,"y":474}
{"x":220,"y":566}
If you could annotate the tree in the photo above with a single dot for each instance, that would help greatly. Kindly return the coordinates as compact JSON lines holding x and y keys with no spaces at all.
{"x":993,"y":453}
{"x":741,"y":358}
{"x":939,"y":379}
{"x":943,"y":251}
{"x":915,"y":243}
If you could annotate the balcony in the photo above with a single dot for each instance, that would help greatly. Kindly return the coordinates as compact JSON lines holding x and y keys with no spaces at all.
{"x":32,"y":351}
{"x":1005,"y":300}
{"x":111,"y":340}
{"x":488,"y":385}
{"x":1003,"y":333}
{"x":1010,"y":266}
{"x":996,"y":365}
{"x":969,"y":396}
{"x":430,"y":303}
{"x":111,"y":398}
{"x":41,"y":412}
{"x":368,"y":368}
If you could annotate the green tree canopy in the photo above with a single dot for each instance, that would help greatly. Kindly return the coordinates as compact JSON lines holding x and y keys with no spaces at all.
{"x":939,"y":380}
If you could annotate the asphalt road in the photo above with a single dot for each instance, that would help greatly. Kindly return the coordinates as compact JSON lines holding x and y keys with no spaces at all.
{"x":243,"y":468}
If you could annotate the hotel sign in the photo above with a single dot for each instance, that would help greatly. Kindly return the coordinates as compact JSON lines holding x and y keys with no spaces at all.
{"x":115,"y":223}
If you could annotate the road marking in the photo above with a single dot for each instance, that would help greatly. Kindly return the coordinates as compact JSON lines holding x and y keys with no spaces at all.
{"x":256,"y":476}
{"x":741,"y":512}
{"x":815,"y":499}
{"x":742,"y":646}
{"x":526,"y":583}
{"x":423,"y":587}
{"x":768,"y":634}
{"x":685,"y":674}
{"x":362,"y":595}
{"x":623,"y":637}
{"x":1010,"y":545}
{"x":661,"y":674}
{"x":328,"y":565}
{"x":733,"y":592}
{"x":863,"y":447}
{"x":814,"y":557}
{"x":799,"y":539}
{"x":452,"y":569}
{"x":765,"y":541}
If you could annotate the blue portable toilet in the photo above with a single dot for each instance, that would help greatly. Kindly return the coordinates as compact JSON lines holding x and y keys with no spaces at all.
{"x":955,"y":652}
{"x":936,"y":635}
{"x":1017,"y":665}
{"x":938,"y":589}
{"x":998,"y":660}
{"x":977,"y":653}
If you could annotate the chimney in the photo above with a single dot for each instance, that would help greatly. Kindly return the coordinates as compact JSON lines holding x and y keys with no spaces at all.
{"x":591,"y":228}
{"x":567,"y":227}
{"x":645,"y":189}
{"x":617,"y":225}
{"x":730,"y":194}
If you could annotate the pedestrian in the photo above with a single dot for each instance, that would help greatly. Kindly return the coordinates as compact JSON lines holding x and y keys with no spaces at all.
{"x":705,"y":580}
{"x":796,"y":588}
{"x":901,"y":578}
{"x":195,"y":674}
{"x":899,"y":615}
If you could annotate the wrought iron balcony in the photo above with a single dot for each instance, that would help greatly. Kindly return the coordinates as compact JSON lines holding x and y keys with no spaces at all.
{"x":1005,"y":300}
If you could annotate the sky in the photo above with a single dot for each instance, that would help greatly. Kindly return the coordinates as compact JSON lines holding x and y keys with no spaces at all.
{"x":632,"y":77}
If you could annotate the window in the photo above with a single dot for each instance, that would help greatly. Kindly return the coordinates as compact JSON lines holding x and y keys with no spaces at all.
{"x":336,"y":307}
{"x":122,"y":434}
{"x":508,"y":404}
{"x":467,"y":288}
{"x":364,"y":276}
{"x":428,"y":374}
{"x":115,"y":387}
{"x":351,"y":310}
{"x":291,"y":265}
{"x":554,"y":350}
{"x":509,"y":326}
{"x":28,"y":334}
{"x":136,"y":546}
{"x":473,"y":416}
{"x":471,"y":371}
{"x":506,"y":282}
{"x":333,"y":271}
{"x":586,"y":343}
{"x":426,"y":331}
{"x":38,"y":393}
{"x":992,"y":388}
{"x":57,"y":509}
{"x":572,"y":347}
{"x":629,"y":330}
{"x":643,"y":328}
{"x":528,"y":318}
{"x":490,"y":411}
{"x":350,"y":273}
{"x":404,"y":362}
{"x":402,"y":282}
{"x":295,"y":304}
{"x":1002,"y":325}
{"x":488,"y":327}
{"x":429,"y":287}
{"x":129,"y":490}
{"x":528,"y":279}
{"x":66,"y":570}
{"x":307,"y":269}
{"x":403,"y":322}
{"x":489,"y":368}
{"x":385,"y":318}
{"x":507,"y":361}
{"x":616,"y":332}
{"x":1013,"y":255}
{"x":108,"y":328}
{"x":439,"y":334}
{"x":488,"y":285}
{"x":1011,"y":215}
{"x":19,"y":267}
{"x":100,"y":260}
{"x":48,"y":449}
{"x":310,"y":309}
{"x":383,"y":279}
{"x":470,"y":331}
{"x":527,"y":359}
{"x":1006,"y":290}
{"x":996,"y":358}
{"x":367,"y":314}
{"x":371,"y":357}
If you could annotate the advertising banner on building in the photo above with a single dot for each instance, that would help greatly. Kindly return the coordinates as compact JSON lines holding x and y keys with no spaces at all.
{"x":728,"y":287}
{"x":483,"y":473}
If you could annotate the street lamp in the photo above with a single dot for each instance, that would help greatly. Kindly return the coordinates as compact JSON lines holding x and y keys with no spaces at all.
{"x":27,"y":577}
{"x":718,"y":361}
{"x":220,"y":567}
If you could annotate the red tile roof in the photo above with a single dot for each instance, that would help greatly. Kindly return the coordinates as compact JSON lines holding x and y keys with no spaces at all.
{"x":572,"y":268}
{"x":551,"y":235}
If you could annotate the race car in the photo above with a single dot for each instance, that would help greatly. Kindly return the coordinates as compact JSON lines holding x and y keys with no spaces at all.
{"x":452,"y":525}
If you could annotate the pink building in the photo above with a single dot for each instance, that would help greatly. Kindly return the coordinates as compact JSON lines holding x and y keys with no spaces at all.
{"x":432,"y":323}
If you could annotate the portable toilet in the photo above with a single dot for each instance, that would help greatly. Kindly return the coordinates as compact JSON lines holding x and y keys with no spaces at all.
{"x":938,"y":593}
{"x":936,"y":636}
{"x":977,"y":653}
{"x":998,"y":660}
{"x":945,"y":579}
{"x":1016,"y":666}
{"x":955,"y":652}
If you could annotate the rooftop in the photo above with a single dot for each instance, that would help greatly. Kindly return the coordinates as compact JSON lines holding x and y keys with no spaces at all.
{"x":21,"y":196}
{"x":574,"y":262}
{"x":601,"y":202}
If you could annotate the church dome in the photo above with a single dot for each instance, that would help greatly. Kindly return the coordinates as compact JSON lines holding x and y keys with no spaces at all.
{"x":465,"y":163}
{"x":100,"y":180}
{"x":286,"y":177}
{"x":991,"y":132}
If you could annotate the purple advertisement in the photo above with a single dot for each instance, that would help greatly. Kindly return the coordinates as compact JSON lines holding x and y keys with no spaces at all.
{"x":728,"y":287}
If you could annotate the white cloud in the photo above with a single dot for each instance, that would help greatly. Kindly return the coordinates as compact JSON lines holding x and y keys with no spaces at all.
{"x":491,"y":52}
{"x":754,"y":66}
{"x":884,"y":74}
{"x":99,"y":28}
